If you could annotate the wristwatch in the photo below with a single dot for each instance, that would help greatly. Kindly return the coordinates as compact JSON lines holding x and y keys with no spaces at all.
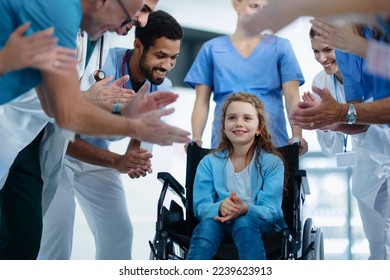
{"x":351,"y":116}
{"x":116,"y":109}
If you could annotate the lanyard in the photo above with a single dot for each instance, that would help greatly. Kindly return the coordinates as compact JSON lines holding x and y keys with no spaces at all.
{"x":126,"y":61}
{"x":345,"y":136}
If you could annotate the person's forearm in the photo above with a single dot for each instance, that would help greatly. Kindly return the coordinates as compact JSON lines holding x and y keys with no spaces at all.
{"x":84,"y":151}
{"x":198,"y":121}
{"x":336,"y":7}
{"x":134,"y":144}
{"x":198,"y":126}
{"x":378,"y":58}
{"x":291,"y":95}
{"x":360,"y":47}
{"x":296,"y":131}
{"x":352,"y":129}
{"x":72,"y":111}
{"x":2,"y":66}
{"x":377,"y":112}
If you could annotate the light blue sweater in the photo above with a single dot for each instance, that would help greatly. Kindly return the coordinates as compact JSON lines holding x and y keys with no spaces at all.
{"x":210,"y":188}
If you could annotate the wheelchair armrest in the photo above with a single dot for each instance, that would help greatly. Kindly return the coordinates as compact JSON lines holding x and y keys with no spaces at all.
{"x":305,"y":183}
{"x":173,"y":183}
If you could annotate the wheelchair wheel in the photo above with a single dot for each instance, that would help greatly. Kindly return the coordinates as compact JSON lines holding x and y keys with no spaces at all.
{"x":318,"y":244}
{"x":308,"y":240}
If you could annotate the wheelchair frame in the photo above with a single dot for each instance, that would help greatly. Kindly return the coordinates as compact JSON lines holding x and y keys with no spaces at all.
{"x":173,"y":228}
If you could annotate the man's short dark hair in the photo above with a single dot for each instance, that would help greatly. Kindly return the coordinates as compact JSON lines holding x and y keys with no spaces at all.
{"x":160,"y":24}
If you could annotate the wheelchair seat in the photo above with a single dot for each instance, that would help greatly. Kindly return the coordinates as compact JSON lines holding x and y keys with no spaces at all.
{"x":176,"y":222}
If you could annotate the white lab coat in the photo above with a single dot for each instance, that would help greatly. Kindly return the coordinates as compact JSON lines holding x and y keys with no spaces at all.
{"x":100,"y":193}
{"x":21,"y":120}
{"x":370,"y":178}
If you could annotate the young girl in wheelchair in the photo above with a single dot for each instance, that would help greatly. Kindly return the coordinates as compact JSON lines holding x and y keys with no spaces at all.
{"x":238,"y":188}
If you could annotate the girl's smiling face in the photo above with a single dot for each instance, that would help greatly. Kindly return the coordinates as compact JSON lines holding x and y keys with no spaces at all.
{"x":241,"y":123}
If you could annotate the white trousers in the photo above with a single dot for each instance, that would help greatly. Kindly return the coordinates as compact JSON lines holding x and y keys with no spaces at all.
{"x":376,"y":224}
{"x":101,"y":196}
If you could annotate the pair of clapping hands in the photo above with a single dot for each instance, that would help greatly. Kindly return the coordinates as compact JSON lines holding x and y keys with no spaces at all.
{"x":231,"y":208}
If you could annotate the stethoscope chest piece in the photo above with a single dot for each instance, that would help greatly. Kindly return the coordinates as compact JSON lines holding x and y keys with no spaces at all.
{"x":99,"y":75}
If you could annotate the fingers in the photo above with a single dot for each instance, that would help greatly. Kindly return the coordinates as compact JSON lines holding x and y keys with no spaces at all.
{"x":305,"y":97}
{"x":22,"y":28}
{"x":158,"y":132}
{"x":223,"y":219}
{"x":138,"y":159}
{"x":311,"y":96}
{"x":164,"y":98}
{"x":176,"y":135}
{"x":47,"y":32}
{"x":144,"y":89}
{"x":165,"y":112}
{"x":41,"y":41}
{"x":303,"y":146}
{"x":321,"y":27}
{"x":122,"y":98}
{"x":308,"y":97}
{"x":322,"y":93}
{"x":64,"y":59}
{"x":318,"y":91}
{"x":66,"y":51}
{"x":137,"y":173}
{"x":304,"y":105}
{"x":104,"y":81}
{"x":121,"y":81}
{"x":228,"y":206}
{"x":234,"y":198}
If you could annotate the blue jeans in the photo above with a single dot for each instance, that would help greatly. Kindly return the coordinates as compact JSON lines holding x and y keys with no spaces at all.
{"x":246,"y":232}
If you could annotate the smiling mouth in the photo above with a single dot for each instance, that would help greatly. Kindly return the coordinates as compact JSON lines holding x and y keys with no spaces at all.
{"x":161,"y":72}
{"x":328,"y":65}
{"x":239,"y":132}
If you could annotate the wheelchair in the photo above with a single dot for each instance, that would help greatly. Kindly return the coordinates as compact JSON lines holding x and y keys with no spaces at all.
{"x":175,"y":219}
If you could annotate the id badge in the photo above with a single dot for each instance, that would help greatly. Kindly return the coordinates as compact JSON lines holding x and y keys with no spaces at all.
{"x":348,"y":159}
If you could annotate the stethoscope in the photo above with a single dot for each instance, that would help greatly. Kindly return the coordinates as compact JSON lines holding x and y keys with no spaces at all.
{"x":99,"y":74}
{"x":125,"y":59}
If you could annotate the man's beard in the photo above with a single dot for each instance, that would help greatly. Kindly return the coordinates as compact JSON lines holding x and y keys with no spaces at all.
{"x":149,"y":74}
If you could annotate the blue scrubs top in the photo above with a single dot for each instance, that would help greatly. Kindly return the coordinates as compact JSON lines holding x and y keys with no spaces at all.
{"x":65,"y":16}
{"x":221,"y":67}
{"x":116,"y":66}
{"x":358,"y":83}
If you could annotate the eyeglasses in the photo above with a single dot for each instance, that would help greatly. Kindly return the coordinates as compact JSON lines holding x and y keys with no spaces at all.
{"x":129,"y":18}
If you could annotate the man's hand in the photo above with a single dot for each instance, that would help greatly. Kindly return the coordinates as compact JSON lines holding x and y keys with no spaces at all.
{"x":112,"y":94}
{"x":312,"y":115}
{"x":157,"y":132}
{"x":38,"y":50}
{"x":303,"y":145}
{"x":143,"y":102}
{"x":342,"y":36}
{"x":135,"y":159}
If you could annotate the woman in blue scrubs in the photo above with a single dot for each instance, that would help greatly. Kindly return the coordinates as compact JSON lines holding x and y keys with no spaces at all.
{"x":264,"y":65}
